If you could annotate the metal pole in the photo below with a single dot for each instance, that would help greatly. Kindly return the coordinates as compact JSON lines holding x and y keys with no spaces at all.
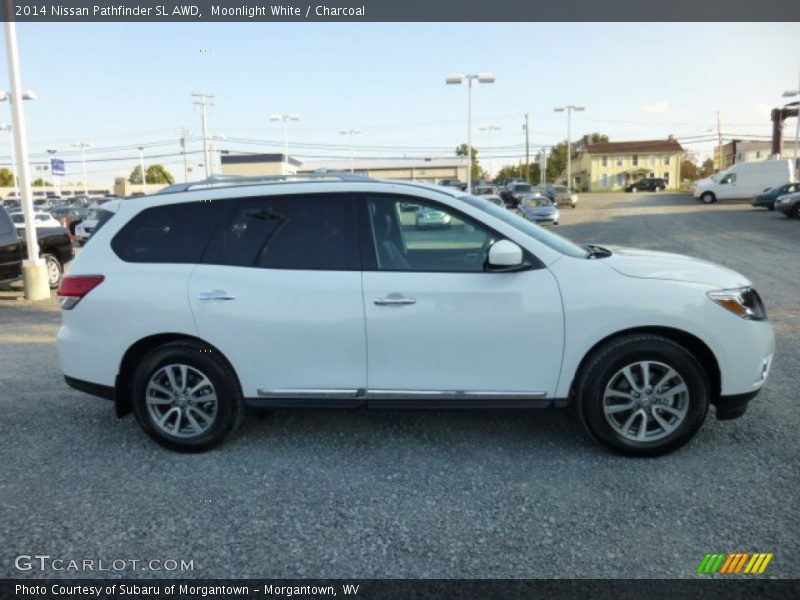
{"x":527,"y":152}
{"x":719,"y":143}
{"x":34,"y":270}
{"x":469,"y":135}
{"x":206,"y":162}
{"x":797,"y":128}
{"x":184,"y":134}
{"x":350,"y":135}
{"x":15,"y":179}
{"x":85,"y":178}
{"x":569,"y":147}
{"x":141,"y":168}
{"x":286,"y":138}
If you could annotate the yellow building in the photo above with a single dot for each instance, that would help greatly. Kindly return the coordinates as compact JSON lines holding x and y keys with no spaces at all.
{"x":611,"y":166}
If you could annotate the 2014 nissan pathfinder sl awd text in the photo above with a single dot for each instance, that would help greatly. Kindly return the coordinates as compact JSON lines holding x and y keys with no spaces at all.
{"x":190,"y":304}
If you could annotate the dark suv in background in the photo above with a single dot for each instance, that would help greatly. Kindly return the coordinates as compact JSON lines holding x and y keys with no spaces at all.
{"x":648,"y":184}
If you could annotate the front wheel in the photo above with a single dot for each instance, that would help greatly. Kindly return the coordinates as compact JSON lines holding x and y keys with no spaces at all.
{"x":642,"y":395}
{"x":796,"y":212}
{"x":186,"y":397}
{"x":55,"y":270}
{"x":708,"y":198}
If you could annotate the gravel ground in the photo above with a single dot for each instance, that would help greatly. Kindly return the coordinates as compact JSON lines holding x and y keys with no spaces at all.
{"x":415,"y":494}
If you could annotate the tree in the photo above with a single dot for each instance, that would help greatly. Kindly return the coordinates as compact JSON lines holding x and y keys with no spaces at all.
{"x":136,"y":175}
{"x":41,"y":183}
{"x":6,"y":178}
{"x":476,"y":166}
{"x":707,"y":169}
{"x":158,"y":174}
{"x":153,"y":174}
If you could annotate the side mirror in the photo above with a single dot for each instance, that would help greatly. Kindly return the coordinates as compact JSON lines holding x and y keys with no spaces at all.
{"x":504,"y":254}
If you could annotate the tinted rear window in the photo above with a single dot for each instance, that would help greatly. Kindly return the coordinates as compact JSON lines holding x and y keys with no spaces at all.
{"x":289,"y":232}
{"x":176,"y":233}
{"x":6,"y":226}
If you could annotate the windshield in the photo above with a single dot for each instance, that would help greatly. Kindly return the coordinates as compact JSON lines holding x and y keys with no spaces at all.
{"x":548,"y":238}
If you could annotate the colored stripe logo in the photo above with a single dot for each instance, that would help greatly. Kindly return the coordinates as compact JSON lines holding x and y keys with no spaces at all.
{"x":734,"y":563}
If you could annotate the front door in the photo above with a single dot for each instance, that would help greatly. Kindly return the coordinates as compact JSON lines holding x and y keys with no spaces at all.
{"x":439,"y":324}
{"x":279,"y":293}
{"x":10,"y":248}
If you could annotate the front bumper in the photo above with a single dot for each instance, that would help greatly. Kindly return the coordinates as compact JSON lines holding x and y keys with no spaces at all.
{"x":733,"y":407}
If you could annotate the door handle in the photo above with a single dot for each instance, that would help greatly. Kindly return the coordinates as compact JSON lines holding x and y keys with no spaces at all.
{"x":215,"y":295}
{"x":392,"y":300}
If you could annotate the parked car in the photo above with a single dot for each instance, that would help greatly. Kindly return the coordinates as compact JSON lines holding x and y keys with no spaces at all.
{"x":484,"y":190}
{"x":565,"y":196}
{"x":41,"y":219}
{"x":70,"y":216}
{"x":495,"y":199}
{"x":209,"y":291}
{"x":455,"y":183}
{"x":426,"y":217}
{"x":54,"y":247}
{"x":516,"y":192}
{"x":647,"y":184}
{"x":770,"y":195}
{"x":94,"y":219}
{"x":744,"y":180}
{"x":789,"y":205}
{"x":540,"y":210}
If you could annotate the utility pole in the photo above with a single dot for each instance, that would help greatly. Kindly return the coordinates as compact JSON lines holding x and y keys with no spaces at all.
{"x":569,"y":109}
{"x":141,"y":169}
{"x":350,"y":132}
{"x":719,"y":142}
{"x":83,"y":146}
{"x":204,"y":101}
{"x":526,"y":127}
{"x":543,"y":168}
{"x":185,"y":133}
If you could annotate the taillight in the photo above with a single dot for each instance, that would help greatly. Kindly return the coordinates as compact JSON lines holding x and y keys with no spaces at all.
{"x":75,"y":287}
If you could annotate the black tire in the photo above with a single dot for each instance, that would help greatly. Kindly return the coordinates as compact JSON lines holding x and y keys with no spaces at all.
{"x":230,"y":403}
{"x":796,"y":211}
{"x":604,"y":365}
{"x":55,"y":270}
{"x":708,"y":197}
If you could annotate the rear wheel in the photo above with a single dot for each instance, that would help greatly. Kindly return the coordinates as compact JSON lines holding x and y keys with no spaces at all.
{"x":642,"y":395}
{"x":708,"y":197}
{"x":796,"y":211}
{"x":186,"y":397}
{"x":55,"y":271}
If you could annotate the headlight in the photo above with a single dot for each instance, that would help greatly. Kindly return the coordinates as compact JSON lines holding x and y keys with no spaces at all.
{"x":743,"y":302}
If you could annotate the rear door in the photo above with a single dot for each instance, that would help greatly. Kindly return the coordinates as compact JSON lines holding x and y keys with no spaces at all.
{"x":279,"y":293}
{"x":10,"y":247}
{"x":439,"y":325}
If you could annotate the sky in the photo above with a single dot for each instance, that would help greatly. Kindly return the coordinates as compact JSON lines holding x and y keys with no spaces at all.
{"x":123,"y":85}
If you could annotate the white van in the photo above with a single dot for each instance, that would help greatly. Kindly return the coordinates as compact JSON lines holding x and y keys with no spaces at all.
{"x":744,"y":180}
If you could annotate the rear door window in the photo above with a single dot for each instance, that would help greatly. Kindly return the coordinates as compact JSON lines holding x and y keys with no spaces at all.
{"x":175,"y":233}
{"x":304,"y":231}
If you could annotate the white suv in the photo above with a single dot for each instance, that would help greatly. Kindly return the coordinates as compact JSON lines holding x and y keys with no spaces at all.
{"x":188,"y":305}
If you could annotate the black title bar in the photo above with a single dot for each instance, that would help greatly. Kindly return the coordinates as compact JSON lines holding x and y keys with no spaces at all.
{"x":397,"y":10}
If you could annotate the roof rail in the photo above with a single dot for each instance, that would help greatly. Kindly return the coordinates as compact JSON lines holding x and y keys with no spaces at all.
{"x":236,"y":180}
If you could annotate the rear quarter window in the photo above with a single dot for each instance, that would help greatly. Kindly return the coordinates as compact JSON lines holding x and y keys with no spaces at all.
{"x":175,"y":233}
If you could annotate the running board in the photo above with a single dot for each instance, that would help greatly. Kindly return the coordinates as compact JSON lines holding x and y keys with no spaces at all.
{"x":400,"y":399}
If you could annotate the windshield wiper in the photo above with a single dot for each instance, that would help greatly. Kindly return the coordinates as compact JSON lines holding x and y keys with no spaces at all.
{"x":595,"y":251}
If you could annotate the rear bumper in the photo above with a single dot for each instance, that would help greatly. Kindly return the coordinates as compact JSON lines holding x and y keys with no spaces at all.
{"x":733,"y":407}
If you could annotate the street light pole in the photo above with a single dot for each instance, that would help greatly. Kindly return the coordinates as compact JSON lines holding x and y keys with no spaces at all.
{"x":458,"y":79}
{"x":83,"y":146}
{"x":285,"y":118}
{"x":350,"y":132}
{"x":141,"y":169}
{"x":34,"y":271}
{"x":569,"y":109}
{"x":490,"y":129}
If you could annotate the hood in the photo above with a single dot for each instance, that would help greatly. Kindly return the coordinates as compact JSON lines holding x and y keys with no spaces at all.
{"x":650,"y":264}
{"x":704,"y":182}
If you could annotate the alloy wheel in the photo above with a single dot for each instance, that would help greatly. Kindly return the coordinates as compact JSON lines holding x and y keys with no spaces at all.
{"x":181,"y":401}
{"x":646,"y":401}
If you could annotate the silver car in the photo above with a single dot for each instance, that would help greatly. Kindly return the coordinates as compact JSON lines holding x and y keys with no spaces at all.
{"x":565,"y":196}
{"x":430,"y":217}
{"x":540,"y":210}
